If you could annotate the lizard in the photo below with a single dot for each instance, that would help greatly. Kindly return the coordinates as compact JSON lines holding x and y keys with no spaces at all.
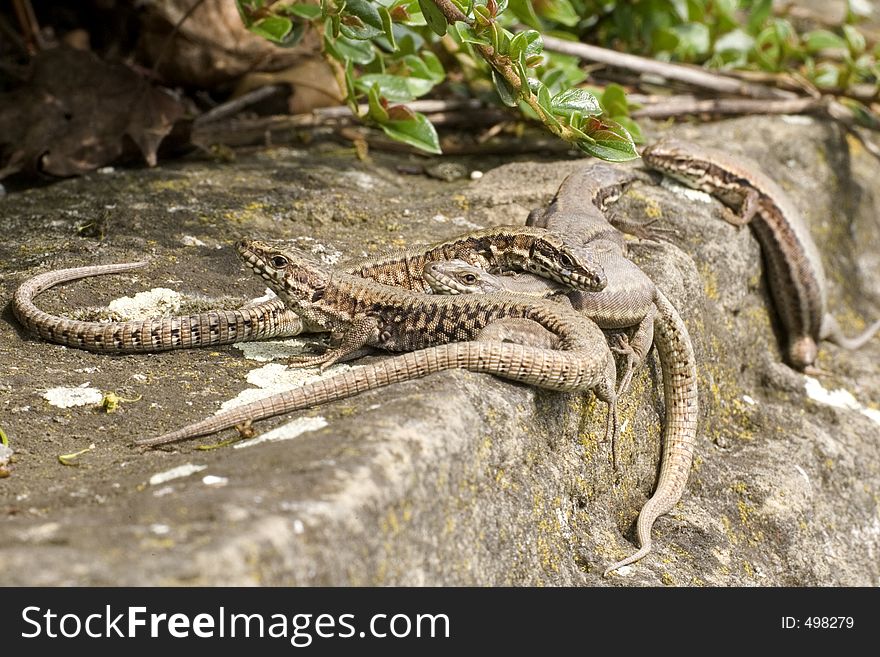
{"x":567,"y":352}
{"x":498,"y":249}
{"x":270,"y":319}
{"x":579,"y":211}
{"x":794,"y":267}
{"x":677,"y":362}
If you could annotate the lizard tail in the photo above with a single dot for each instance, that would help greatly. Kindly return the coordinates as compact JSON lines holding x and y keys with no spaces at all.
{"x":266,"y":320}
{"x":831,"y":332}
{"x":568,"y":371}
{"x":678,"y":364}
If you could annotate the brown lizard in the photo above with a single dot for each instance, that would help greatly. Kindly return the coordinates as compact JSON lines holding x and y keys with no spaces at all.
{"x":677,"y":362}
{"x":447,"y":332}
{"x":794,"y":267}
{"x":498,"y":249}
{"x":579,"y":211}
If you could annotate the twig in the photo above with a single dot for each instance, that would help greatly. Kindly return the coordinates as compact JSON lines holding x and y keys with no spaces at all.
{"x":686,"y":105}
{"x":232,"y":107}
{"x":240,"y":132}
{"x":697,"y":77}
{"x":166,"y":45}
{"x":24,"y":11}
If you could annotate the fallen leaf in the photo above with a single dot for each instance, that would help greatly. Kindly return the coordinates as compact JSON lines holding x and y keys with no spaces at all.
{"x":77,"y":113}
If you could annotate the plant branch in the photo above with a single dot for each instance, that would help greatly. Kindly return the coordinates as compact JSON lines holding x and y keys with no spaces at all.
{"x":502,"y":65}
{"x":689,"y":74}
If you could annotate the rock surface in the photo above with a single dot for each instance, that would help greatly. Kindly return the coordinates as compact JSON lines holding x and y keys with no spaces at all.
{"x":459,"y":478}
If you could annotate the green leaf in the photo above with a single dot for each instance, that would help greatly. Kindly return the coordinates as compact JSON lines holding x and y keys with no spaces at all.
{"x":517,"y":46}
{"x":351,"y":92}
{"x":827,"y":76}
{"x":632,"y":128}
{"x":274,"y":28}
{"x":435,"y":68}
{"x":434,"y":17}
{"x":388,"y":26}
{"x":608,"y":140}
{"x":535,"y":44}
{"x":560,"y":11}
{"x":541,"y":92}
{"x":524,"y":11}
{"x":377,"y":112}
{"x":309,"y":12}
{"x":760,"y":12}
{"x":693,"y":41}
{"x":817,"y":40}
{"x":417,"y":132}
{"x":395,"y":87}
{"x":359,"y":52}
{"x":855,"y":40}
{"x":575,"y":100}
{"x":425,"y":67}
{"x":361,"y":20}
{"x":467,"y":35}
{"x":505,"y":91}
{"x":614,"y":100}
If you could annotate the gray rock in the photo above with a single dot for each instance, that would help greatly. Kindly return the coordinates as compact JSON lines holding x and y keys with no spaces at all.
{"x":459,"y":478}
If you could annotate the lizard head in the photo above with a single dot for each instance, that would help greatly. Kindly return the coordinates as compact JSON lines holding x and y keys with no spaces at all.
{"x":295,"y":278}
{"x":680,"y":160}
{"x":551,"y":257}
{"x":459,"y":277}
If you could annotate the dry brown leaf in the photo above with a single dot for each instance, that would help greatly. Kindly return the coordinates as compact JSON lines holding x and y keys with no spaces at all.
{"x":75,"y":112}
{"x":212,"y":46}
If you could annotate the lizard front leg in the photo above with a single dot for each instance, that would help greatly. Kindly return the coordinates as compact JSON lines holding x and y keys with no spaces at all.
{"x":363,"y":332}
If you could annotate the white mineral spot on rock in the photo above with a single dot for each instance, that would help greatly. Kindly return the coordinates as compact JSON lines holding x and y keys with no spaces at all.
{"x":184,"y":470}
{"x":683,"y":190}
{"x":275,"y":377}
{"x":298,"y":527}
{"x":106,"y":170}
{"x":806,"y":477}
{"x":625,"y":571}
{"x":40,"y":533}
{"x":461,"y":221}
{"x":190,"y":240}
{"x":476,"y":175}
{"x":268,"y":296}
{"x":839,"y":398}
{"x":160,"y":529}
{"x":793,"y":119}
{"x":361,"y":179}
{"x":86,"y":370}
{"x":158,"y":301}
{"x":267,"y":350}
{"x":214,"y":480}
{"x":64,"y":397}
{"x":166,"y":490}
{"x":749,"y":400}
{"x":287,"y":431}
{"x":5,"y":454}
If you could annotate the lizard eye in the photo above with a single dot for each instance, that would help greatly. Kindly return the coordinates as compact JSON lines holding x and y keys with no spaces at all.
{"x":470,"y":279}
{"x":279,"y":262}
{"x":566,"y":261}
